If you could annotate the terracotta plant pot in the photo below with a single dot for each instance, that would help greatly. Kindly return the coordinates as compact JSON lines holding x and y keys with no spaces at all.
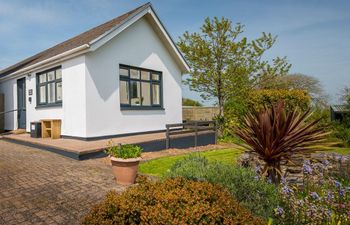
{"x":125,"y":170}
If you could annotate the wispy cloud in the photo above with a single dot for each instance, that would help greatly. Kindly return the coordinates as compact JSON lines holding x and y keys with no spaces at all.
{"x":16,"y":16}
{"x":22,"y":12}
{"x":25,"y":27}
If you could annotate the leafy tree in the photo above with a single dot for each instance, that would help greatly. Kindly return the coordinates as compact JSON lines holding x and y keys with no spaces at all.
{"x":190,"y":102}
{"x":295,"y":98}
{"x":225,"y":65}
{"x":341,"y":129}
{"x":345,"y":95}
{"x":301,"y":82}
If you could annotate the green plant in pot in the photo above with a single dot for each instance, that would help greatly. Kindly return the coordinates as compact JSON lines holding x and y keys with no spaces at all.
{"x":125,"y":161}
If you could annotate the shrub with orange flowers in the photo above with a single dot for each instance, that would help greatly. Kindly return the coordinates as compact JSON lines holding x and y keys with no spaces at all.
{"x":258,"y":99}
{"x":172,"y":201}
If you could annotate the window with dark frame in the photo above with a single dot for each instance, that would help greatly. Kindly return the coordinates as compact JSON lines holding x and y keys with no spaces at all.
{"x":140,"y":88}
{"x":49,"y":87}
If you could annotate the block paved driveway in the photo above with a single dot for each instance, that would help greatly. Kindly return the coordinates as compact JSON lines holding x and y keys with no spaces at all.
{"x":40,"y":187}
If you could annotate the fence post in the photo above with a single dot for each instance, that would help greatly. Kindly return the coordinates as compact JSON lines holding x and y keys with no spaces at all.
{"x":196,"y":134}
{"x":167,"y":142}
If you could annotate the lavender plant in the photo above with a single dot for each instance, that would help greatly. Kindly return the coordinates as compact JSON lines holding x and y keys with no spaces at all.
{"x":321,"y":200}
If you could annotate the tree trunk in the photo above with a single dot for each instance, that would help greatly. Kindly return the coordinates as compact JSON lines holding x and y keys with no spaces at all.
{"x":272,"y":173}
{"x":220,"y":97}
{"x":221,"y":107}
{"x":221,"y":119}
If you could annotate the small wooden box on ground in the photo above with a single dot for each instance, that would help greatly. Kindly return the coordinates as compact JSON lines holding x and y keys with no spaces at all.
{"x":51,"y":128}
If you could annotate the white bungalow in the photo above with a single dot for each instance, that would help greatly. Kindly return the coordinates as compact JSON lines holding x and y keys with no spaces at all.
{"x":122,"y":77}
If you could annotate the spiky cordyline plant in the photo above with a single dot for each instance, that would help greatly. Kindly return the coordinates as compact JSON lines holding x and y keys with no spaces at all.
{"x":275,"y":134}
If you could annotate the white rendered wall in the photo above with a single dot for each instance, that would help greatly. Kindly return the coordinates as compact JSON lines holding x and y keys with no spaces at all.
{"x":74,"y":97}
{"x":139,"y":46}
{"x":34,"y":114}
{"x":72,"y":111}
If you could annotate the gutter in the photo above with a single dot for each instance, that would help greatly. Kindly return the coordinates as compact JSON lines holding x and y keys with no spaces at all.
{"x":65,"y":55}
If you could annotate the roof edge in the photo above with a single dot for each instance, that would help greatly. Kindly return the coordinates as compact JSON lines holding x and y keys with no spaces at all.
{"x":148,"y":8}
{"x":23,"y":64}
{"x":102,"y":39}
{"x":73,"y":52}
{"x":183,"y":59}
{"x":140,"y":10}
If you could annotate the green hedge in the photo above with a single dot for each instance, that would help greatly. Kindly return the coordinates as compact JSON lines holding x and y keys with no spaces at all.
{"x":173,"y":201}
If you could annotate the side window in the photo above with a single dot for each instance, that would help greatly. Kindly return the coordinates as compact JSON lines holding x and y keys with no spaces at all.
{"x":140,"y":88}
{"x":49,"y":87}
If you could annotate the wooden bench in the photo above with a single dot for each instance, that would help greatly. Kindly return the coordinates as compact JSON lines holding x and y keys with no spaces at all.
{"x":51,"y":128}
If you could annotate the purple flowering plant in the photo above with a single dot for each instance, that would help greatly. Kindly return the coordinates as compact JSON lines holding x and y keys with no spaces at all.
{"x":320,"y":200}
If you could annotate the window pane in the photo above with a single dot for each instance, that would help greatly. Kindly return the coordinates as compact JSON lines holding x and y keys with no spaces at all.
{"x":124,"y":92}
{"x":155,"y":76}
{"x":123,"y":72}
{"x":135,"y":74}
{"x":145,"y":75}
{"x":156,"y":94}
{"x":42,"y":78}
{"x":59,"y":91}
{"x":51,"y":76}
{"x":135,"y":93}
{"x":51,"y":93}
{"x":42,"y":95}
{"x":146,"y":93}
{"x":58,"y":74}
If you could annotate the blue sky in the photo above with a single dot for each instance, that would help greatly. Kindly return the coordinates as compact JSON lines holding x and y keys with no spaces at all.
{"x":313,"y":34}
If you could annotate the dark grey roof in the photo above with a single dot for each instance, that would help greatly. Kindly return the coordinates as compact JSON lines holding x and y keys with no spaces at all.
{"x":77,"y":41}
{"x":340,"y":108}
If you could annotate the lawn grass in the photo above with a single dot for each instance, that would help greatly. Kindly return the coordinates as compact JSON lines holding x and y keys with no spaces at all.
{"x":159,"y":167}
{"x":339,"y":150}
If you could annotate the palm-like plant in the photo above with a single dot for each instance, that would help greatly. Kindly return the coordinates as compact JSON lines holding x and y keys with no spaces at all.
{"x":275,"y":134}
